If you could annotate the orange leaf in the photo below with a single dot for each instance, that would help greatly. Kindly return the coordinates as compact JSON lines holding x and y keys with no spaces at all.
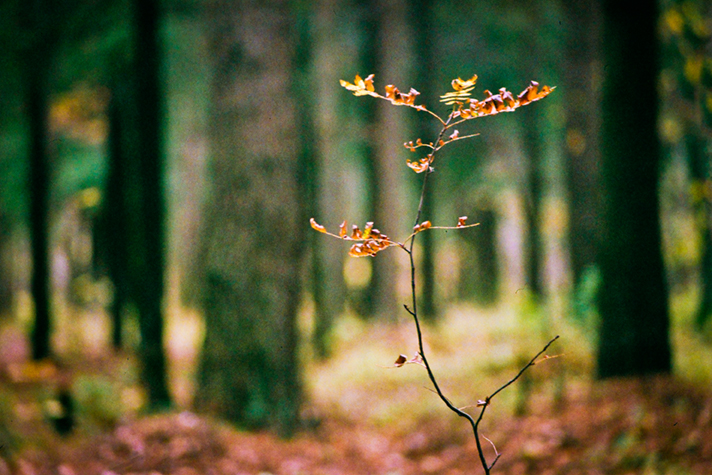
{"x":355,"y":232}
{"x":420,"y":166}
{"x":367,"y":230}
{"x":461,"y":221}
{"x":360,"y":87}
{"x":422,"y":226}
{"x":359,"y":250}
{"x":317,"y":226}
{"x":458,"y":84}
{"x":342,"y":229}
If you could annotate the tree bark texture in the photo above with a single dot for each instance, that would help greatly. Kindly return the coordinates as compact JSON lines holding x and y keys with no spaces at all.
{"x":253,"y":234}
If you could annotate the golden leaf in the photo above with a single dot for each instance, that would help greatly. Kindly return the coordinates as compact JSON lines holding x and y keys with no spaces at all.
{"x":367,"y":230}
{"x":420,"y":166}
{"x":360,"y":87}
{"x":355,"y":232}
{"x":459,"y":85}
{"x":342,"y":229}
{"x":422,"y":226}
{"x":317,"y":226}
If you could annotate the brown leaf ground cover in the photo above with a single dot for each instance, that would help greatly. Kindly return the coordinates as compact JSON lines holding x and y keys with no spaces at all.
{"x":650,"y":426}
{"x":366,"y":419}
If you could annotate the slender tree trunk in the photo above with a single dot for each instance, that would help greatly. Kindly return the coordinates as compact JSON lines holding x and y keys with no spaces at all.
{"x":388,"y":43}
{"x":421,"y":21}
{"x":253,"y":235}
{"x":329,"y":288}
{"x":114,"y":222}
{"x":532,"y":119}
{"x":149,"y":276}
{"x":633,"y":300}
{"x":582,"y":154}
{"x":39,"y":60}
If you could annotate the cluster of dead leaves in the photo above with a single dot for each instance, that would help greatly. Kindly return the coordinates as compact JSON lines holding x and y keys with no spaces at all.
{"x":463,"y":106}
{"x":371,"y":241}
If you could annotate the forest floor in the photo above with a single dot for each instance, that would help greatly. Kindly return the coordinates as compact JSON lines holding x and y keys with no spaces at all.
{"x":366,"y":417}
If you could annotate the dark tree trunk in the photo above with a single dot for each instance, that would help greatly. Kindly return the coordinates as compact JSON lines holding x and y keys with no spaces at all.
{"x":148,"y":274}
{"x":633,"y":302}
{"x":532,"y":120}
{"x":479,"y":268}
{"x":114,"y":219}
{"x":253,"y":236}
{"x":39,"y":60}
{"x":582,"y":155}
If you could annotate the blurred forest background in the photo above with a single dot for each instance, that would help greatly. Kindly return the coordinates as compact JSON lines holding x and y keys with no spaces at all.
{"x":160,"y":161}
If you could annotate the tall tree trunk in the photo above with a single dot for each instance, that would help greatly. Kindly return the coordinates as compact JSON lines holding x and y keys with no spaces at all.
{"x":114,"y":220}
{"x":253,"y":235}
{"x":39,"y":59}
{"x":150,"y":260}
{"x":329,"y":288}
{"x":532,"y":120}
{"x":582,"y":154}
{"x":633,"y":302}
{"x":388,"y":44}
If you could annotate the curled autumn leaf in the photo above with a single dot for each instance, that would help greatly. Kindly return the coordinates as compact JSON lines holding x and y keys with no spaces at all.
{"x":461,"y":91}
{"x":369,"y":247}
{"x":462,"y":221}
{"x":317,"y":226}
{"x":460,"y":85}
{"x":367,"y":230}
{"x":360,"y":87}
{"x":422,"y":226}
{"x":532,"y":93}
{"x":421,"y":165}
{"x":356,"y":232}
{"x":401,"y":99}
{"x":342,"y":229}
{"x":403,"y":360}
{"x":502,"y":102}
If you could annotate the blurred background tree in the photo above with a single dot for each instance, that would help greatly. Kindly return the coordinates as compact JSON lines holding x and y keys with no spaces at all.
{"x":634,"y":337}
{"x":253,"y":235}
